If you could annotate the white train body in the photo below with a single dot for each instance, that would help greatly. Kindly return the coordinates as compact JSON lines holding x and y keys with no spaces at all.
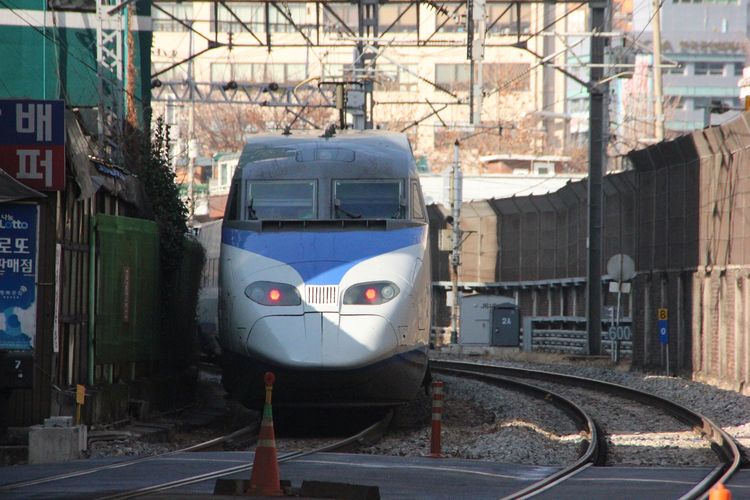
{"x":325,"y":272}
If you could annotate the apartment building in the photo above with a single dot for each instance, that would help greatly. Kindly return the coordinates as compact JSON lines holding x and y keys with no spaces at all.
{"x":705,"y":44}
{"x":422,"y":76}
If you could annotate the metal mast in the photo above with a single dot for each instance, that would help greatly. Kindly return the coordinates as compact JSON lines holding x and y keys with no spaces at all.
{"x":364,"y":65}
{"x":597,"y":154}
{"x":658,"y":98}
{"x":109,"y":66}
{"x":456,"y":195}
{"x":477,"y":28}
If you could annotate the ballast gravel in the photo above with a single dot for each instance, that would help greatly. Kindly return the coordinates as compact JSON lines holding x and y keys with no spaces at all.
{"x":488,"y":423}
{"x":483,"y":422}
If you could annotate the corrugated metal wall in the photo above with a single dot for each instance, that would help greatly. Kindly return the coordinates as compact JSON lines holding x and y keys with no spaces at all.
{"x":126,"y":322}
{"x":682,"y":214}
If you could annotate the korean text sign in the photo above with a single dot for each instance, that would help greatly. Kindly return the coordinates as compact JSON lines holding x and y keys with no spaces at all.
{"x":32,"y":142}
{"x":18,"y":258}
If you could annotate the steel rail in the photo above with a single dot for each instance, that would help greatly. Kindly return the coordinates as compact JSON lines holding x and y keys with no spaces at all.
{"x":374,"y":431}
{"x":594,"y":451}
{"x":248,"y":430}
{"x":721,"y":443}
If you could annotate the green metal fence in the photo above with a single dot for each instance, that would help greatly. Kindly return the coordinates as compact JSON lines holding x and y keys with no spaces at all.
{"x":179,"y":332}
{"x":124,"y":322}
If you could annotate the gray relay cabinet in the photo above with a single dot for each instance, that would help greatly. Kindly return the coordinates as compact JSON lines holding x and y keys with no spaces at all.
{"x":489,"y":320}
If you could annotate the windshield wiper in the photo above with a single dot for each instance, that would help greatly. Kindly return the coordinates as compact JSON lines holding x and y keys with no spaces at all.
{"x":251,"y":211}
{"x":348,"y":214}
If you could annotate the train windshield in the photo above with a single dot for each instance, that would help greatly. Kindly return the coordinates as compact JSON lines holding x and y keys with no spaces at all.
{"x":368,"y":199}
{"x":280,"y":200}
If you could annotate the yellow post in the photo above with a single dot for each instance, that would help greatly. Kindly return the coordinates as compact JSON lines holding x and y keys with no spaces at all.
{"x":80,"y":399}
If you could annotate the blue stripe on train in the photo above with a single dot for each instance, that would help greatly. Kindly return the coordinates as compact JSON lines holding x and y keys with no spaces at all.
{"x":322,"y":258}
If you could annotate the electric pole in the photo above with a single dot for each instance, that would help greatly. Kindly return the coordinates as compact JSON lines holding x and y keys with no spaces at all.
{"x":597,"y":154}
{"x":192,"y":142}
{"x":456,"y":181}
{"x":658,"y":99}
{"x":476,"y":31}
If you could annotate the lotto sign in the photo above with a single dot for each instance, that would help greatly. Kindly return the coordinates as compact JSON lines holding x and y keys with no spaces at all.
{"x":18,"y":245}
{"x":32,"y":142}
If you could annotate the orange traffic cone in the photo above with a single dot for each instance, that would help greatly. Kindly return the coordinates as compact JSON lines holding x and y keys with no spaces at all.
{"x":265,"y":477}
{"x":720,"y":492}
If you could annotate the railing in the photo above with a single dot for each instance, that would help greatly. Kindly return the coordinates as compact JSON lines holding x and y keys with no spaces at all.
{"x":561,"y":334}
{"x":568,"y":334}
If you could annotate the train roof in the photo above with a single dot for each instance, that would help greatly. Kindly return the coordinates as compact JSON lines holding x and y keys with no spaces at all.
{"x":356,"y":149}
{"x":342,"y":138}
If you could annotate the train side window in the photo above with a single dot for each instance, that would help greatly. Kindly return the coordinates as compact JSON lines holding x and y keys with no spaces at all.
{"x":417,"y":205}
{"x":232,"y":203}
{"x":368,"y":199}
{"x":280,"y":200}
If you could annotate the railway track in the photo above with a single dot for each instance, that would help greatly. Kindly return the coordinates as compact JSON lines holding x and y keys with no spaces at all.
{"x":370,"y":433}
{"x":591,"y":452}
{"x":720,"y":442}
{"x":246,"y":434}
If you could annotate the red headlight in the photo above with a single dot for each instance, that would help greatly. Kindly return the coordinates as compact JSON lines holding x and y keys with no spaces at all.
{"x":374,"y":293}
{"x":273,"y":294}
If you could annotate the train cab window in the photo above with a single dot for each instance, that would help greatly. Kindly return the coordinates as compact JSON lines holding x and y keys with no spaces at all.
{"x":368,"y":199}
{"x":280,"y":200}
{"x":230,"y":213}
{"x":417,"y":206}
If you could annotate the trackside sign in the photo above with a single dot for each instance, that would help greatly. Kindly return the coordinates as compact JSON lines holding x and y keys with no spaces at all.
{"x":32,"y":142}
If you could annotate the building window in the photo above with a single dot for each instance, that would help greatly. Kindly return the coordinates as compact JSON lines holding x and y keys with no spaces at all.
{"x":74,"y":5}
{"x":738,"y":67}
{"x":506,"y":76}
{"x":176,"y":74}
{"x":257,"y":72}
{"x":254,"y":16}
{"x":452,"y":76}
{"x":339,"y":18}
{"x":279,"y":23}
{"x":397,"y":78}
{"x":163,"y":20}
{"x":709,"y":68}
{"x":504,"y":21}
{"x":700,"y":102}
{"x":675,"y":70}
{"x":225,"y":20}
{"x":407,"y":23}
{"x":450,"y":19}
{"x":724,"y":2}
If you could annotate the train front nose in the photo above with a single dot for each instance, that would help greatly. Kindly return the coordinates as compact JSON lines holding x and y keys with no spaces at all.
{"x":321,"y":337}
{"x":323,"y":340}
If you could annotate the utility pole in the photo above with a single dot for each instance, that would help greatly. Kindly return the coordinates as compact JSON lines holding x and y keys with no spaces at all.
{"x":597,"y":153}
{"x":477,"y":26}
{"x":364,"y":65}
{"x":658,"y":93}
{"x":192,"y":142}
{"x":456,"y":182}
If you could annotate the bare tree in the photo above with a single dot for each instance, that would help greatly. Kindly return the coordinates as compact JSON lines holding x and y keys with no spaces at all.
{"x":226,"y":127}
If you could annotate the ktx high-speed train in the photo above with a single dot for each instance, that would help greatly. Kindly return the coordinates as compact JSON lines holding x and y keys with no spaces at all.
{"x":325,"y":271}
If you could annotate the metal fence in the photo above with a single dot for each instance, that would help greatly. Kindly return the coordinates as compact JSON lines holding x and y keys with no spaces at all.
{"x":681,"y":213}
{"x":125,"y":321}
